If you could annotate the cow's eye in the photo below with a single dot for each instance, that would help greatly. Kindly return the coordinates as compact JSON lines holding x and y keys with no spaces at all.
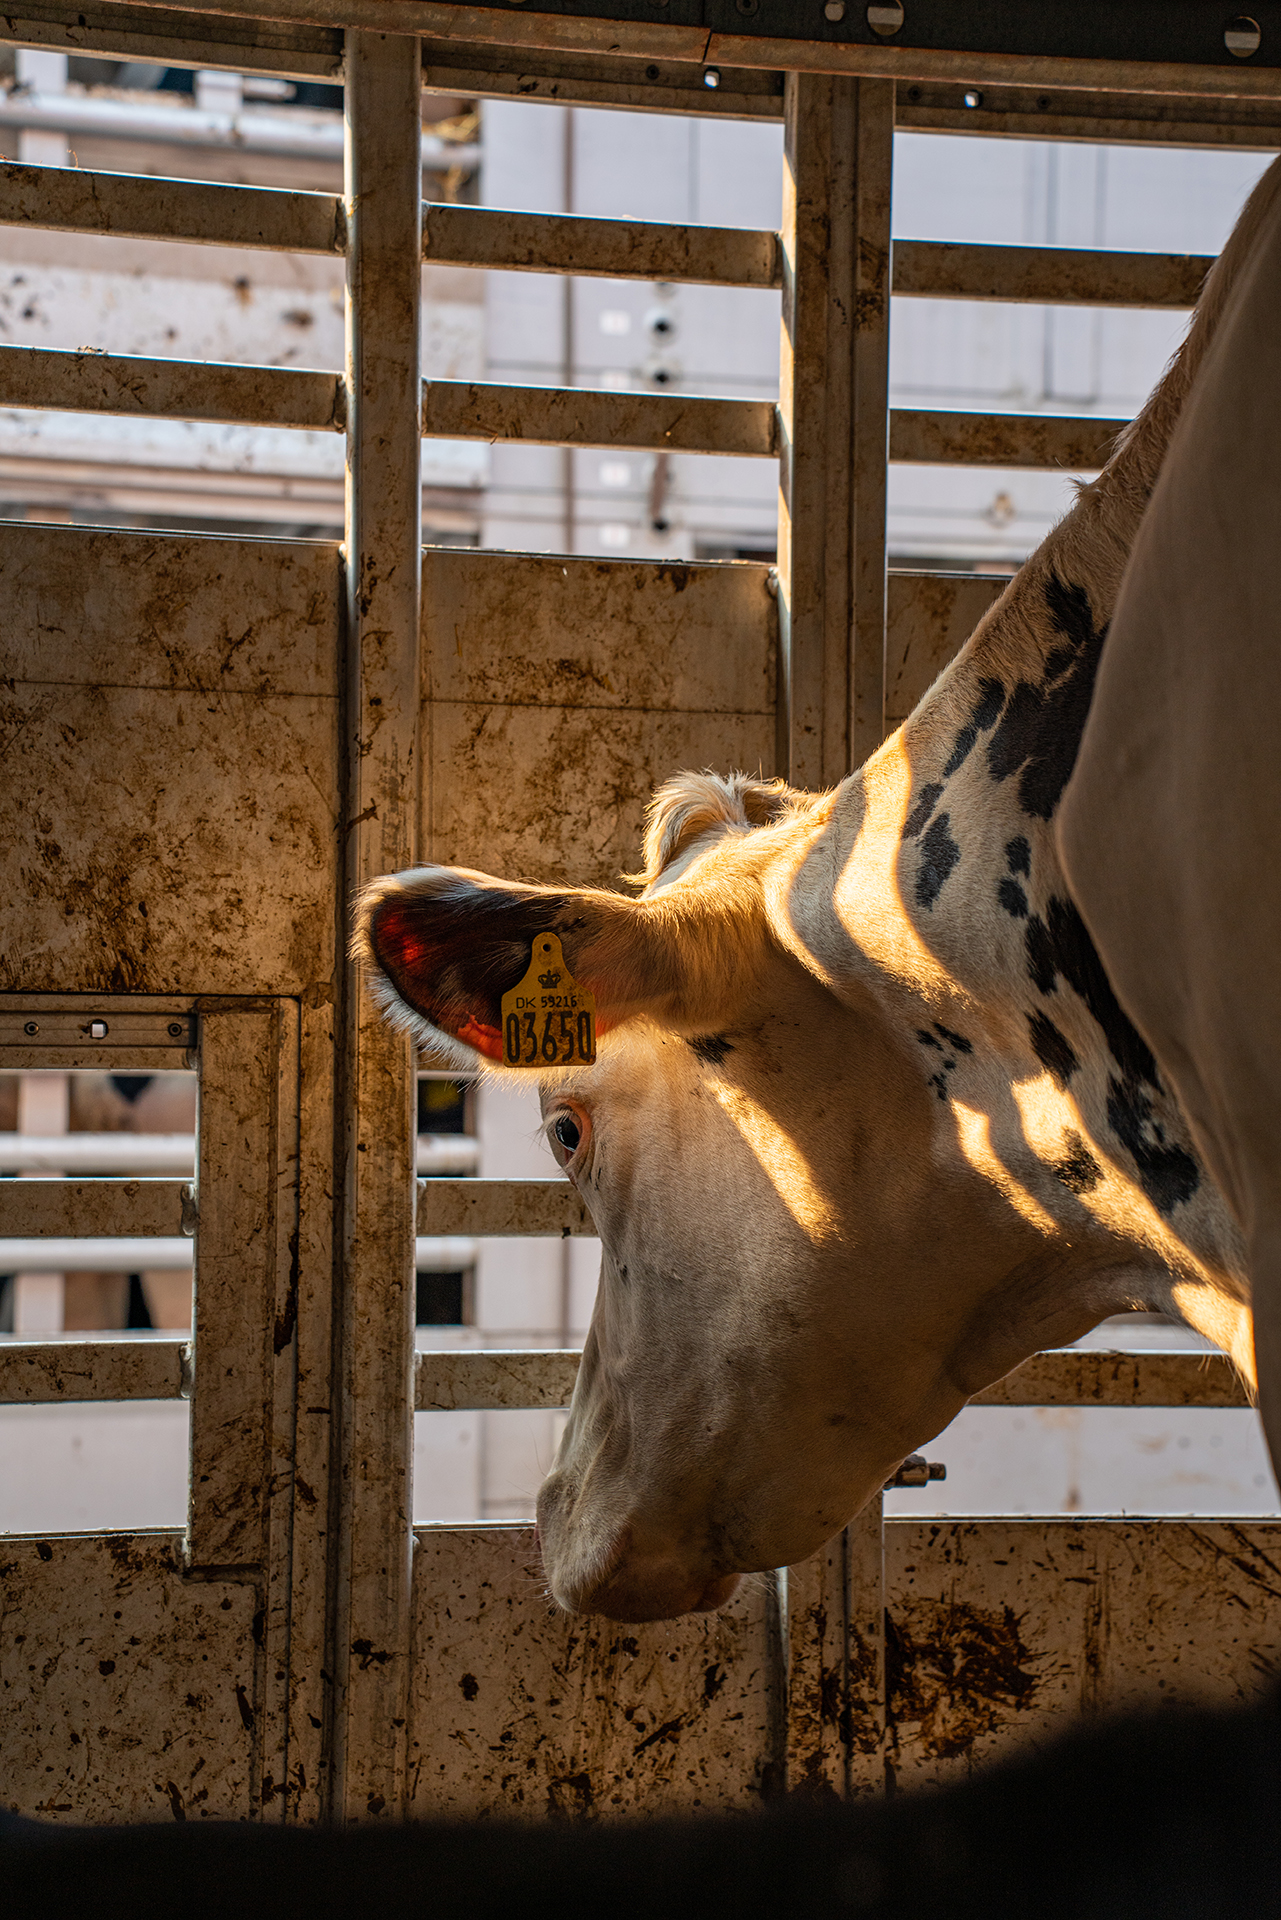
{"x":568,"y":1132}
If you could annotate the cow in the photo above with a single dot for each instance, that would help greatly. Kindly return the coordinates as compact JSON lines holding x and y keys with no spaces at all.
{"x":868,"y":1125}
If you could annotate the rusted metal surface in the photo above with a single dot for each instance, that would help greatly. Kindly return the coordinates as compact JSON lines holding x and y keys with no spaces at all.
{"x":376,"y":1070}
{"x":584,"y":417}
{"x":1002,"y":439}
{"x":129,"y":1689}
{"x":519,"y":1709}
{"x":835,"y":1665}
{"x":1070,"y":1378}
{"x":177,"y":38}
{"x":199,"y":676}
{"x":92,"y":1206}
{"x":1066,"y":275}
{"x":833,"y":387}
{"x":930,"y":616}
{"x":40,"y":1372}
{"x":999,"y":1631}
{"x":1054,"y":112}
{"x":111,"y":1033}
{"x":563,"y":691}
{"x":71,"y":199}
{"x":247,"y":1218}
{"x":640,"y":85}
{"x":500,"y":1207}
{"x":90,"y":382}
{"x":618,"y":249}
{"x":453,"y":1382}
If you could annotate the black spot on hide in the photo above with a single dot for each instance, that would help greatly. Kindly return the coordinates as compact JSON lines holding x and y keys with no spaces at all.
{"x":1018,"y":855}
{"x":1040,"y":730}
{"x":1167,"y":1175}
{"x":711,"y":1048}
{"x":927,"y":1039}
{"x":1079,"y":1171}
{"x":939,"y":855}
{"x":1060,"y":947}
{"x":1052,"y":1049}
{"x":1012,"y":897}
{"x":957,"y":1040}
{"x":922,"y":810}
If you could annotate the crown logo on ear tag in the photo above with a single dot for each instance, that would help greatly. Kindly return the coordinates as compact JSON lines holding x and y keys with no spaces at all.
{"x":548,"y":1019}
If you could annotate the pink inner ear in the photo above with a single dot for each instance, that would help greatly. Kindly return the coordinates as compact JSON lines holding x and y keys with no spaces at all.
{"x":410,"y":960}
{"x":486,"y":1040}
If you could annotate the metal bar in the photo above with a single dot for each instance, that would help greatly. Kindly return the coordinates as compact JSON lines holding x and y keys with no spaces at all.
{"x":40,"y":1373}
{"x":69,"y":200}
{"x":1149,"y":120}
{"x":89,"y":382}
{"x":584,"y":417}
{"x":646,"y":85}
{"x":383,"y":571}
{"x":447,"y":1153}
{"x":1078,"y":445}
{"x":99,"y":1153}
{"x":92,"y":1206}
{"x":435,"y":1253}
{"x":492,"y":1207}
{"x":1069,"y":276}
{"x":870,"y":388}
{"x":128,"y":1254}
{"x":1072,"y":1378}
{"x":460,"y":236}
{"x":453,"y":1382}
{"x":1065,"y":1378}
{"x":174,"y":38}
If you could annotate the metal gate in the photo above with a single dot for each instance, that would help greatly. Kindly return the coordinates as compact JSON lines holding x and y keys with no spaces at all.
{"x":212,"y":742}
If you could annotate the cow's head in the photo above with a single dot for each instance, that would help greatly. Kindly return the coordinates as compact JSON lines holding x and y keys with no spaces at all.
{"x":755,"y":1150}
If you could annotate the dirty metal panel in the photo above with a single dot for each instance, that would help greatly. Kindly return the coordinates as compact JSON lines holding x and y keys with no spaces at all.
{"x":942,"y":270}
{"x":617,"y":249}
{"x":40,"y":1372}
{"x":565,"y":691}
{"x":520,"y":1710}
{"x":499,"y":1207}
{"x":76,"y":200}
{"x":644,"y":85}
{"x":1071,"y":1378}
{"x":92,"y":382}
{"x":929,"y":618}
{"x":501,"y":1377}
{"x":1063,"y":113}
{"x":1002,"y":439}
{"x":584,"y":417}
{"x":173,"y":38}
{"x":93,"y":1206}
{"x":127,"y":1691}
{"x":1000,"y":1632}
{"x":198,"y":677}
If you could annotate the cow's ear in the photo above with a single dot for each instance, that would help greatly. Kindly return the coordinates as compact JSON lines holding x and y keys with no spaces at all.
{"x":443,"y":946}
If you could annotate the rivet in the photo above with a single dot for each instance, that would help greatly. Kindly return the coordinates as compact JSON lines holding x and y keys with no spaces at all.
{"x":834,"y":10}
{"x":175,"y":1029}
{"x":885,"y":20}
{"x":32,"y":1028}
{"x":97,"y":1029}
{"x":711,"y":76}
{"x":972,"y":99}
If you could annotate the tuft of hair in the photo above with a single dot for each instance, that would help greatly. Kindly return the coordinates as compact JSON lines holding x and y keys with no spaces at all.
{"x":691,"y":806}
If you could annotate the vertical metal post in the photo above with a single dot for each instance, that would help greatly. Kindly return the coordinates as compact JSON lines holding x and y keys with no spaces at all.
{"x":833,"y":420}
{"x":835,"y":1657}
{"x":383,"y":596}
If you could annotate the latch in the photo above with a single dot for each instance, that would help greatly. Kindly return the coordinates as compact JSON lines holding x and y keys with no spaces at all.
{"x":917,"y":1471}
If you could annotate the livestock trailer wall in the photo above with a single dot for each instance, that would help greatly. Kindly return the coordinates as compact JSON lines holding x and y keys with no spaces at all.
{"x":212,"y":741}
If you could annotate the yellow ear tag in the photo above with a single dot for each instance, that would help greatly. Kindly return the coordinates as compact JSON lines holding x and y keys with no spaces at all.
{"x":548,"y":1020}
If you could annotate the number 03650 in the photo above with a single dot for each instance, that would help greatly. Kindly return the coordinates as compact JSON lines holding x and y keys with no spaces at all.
{"x":549,"y":1036}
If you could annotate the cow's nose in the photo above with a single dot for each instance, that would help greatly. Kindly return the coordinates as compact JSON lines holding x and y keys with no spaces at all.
{"x":656,"y":1587}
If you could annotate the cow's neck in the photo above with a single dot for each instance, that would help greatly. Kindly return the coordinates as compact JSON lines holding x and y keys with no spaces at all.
{"x":950,"y":884}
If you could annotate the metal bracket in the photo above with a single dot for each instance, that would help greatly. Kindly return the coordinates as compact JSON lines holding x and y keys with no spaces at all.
{"x":917,"y":1471}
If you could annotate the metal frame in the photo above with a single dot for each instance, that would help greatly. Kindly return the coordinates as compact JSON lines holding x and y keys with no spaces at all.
{"x":302,"y":1373}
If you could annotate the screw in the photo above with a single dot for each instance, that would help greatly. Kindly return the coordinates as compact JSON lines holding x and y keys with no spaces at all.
{"x":973,"y":99}
{"x":834,"y":10}
{"x":97,"y":1029}
{"x":711,"y":76}
{"x":32,"y":1027}
{"x":175,"y":1029}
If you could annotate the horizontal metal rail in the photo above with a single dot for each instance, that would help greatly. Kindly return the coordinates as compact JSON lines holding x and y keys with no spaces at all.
{"x":69,"y":200}
{"x":172,"y":38}
{"x":138,"y":1253}
{"x":459,"y":236}
{"x":100,"y":1153}
{"x":43,"y":1372}
{"x":485,"y":1207}
{"x":1077,"y":445}
{"x":586,"y":417}
{"x":478,"y":1380}
{"x":447,"y":1153}
{"x":89,"y":382}
{"x":1050,"y":276}
{"x":63,"y":1207}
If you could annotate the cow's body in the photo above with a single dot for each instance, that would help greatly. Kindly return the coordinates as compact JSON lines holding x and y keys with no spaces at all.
{"x":869,"y":1126}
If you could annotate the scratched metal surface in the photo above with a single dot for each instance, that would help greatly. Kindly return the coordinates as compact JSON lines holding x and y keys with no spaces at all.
{"x":170,"y":739}
{"x":519,"y":1710}
{"x":563,"y":692}
{"x":999,"y":1632}
{"x":929,"y":617}
{"x":127,"y":1691}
